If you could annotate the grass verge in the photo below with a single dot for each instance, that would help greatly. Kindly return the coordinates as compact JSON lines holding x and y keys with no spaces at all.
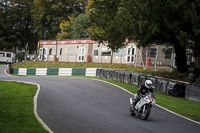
{"x":182,"y":106}
{"x":16,"y":108}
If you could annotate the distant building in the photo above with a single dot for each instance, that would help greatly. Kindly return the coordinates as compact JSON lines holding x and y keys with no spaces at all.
{"x":90,"y":51}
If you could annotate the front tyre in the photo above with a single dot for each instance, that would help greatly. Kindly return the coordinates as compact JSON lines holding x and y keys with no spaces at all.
{"x":132,"y":112}
{"x":145,"y":112}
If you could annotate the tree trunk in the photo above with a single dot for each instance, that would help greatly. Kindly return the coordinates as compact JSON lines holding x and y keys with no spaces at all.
{"x":180,"y":58}
{"x":111,"y":57}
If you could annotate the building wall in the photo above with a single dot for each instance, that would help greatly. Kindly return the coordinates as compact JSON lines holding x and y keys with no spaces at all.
{"x":93,"y":52}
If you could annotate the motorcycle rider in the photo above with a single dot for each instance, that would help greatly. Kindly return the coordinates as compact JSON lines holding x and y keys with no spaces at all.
{"x":146,"y":87}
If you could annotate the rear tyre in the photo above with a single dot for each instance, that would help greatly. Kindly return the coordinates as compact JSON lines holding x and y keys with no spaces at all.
{"x":145,"y":114}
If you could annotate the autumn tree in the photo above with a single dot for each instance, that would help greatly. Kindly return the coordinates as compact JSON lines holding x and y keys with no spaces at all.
{"x":48,"y":14}
{"x":75,"y":28}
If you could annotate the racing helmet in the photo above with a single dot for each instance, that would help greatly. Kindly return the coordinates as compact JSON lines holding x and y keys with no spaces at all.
{"x":148,"y":84}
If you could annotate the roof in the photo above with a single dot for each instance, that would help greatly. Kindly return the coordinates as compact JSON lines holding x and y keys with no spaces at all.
{"x":6,"y":51}
{"x":53,"y":42}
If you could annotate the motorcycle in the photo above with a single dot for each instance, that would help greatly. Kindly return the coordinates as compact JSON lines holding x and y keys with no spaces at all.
{"x":143,"y":107}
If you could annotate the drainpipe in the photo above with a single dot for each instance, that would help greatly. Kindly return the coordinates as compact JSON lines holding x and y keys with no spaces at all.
{"x":56,"y":52}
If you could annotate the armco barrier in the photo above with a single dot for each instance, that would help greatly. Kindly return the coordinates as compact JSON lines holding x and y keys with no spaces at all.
{"x":41,"y":71}
{"x":15,"y":70}
{"x":52,"y":71}
{"x":78,"y":71}
{"x":55,"y":71}
{"x":65,"y":72}
{"x":31,"y":71}
{"x":192,"y":92}
{"x":22,"y":71}
{"x":91,"y":72}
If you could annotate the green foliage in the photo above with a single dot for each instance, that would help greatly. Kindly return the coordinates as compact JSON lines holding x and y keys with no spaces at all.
{"x":16,"y":24}
{"x":146,"y":22}
{"x":102,"y":13}
{"x":20,"y":56}
{"x":49,"y":14}
{"x":198,"y":80}
{"x":74,"y":28}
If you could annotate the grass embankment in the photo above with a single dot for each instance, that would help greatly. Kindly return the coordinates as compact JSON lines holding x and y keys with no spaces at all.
{"x":160,"y":73}
{"x":16,"y":108}
{"x":182,"y":106}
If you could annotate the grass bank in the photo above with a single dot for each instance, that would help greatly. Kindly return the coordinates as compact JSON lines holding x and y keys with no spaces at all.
{"x":182,"y":106}
{"x":16,"y":108}
{"x":160,"y":73}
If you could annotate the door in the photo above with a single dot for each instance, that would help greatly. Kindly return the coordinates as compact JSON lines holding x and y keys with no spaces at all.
{"x":130,"y":55}
{"x":81,"y":54}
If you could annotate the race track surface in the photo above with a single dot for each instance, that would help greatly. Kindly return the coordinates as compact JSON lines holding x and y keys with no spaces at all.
{"x":78,"y":105}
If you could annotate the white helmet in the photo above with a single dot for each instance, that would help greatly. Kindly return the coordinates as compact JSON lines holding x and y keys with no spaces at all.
{"x":148,"y":84}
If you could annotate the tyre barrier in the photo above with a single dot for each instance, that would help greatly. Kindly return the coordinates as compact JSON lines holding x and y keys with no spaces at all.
{"x":165,"y":86}
{"x":192,"y":92}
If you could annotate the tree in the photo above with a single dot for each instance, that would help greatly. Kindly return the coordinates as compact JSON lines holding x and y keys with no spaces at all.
{"x":102,"y":14}
{"x":74,"y":28}
{"x":48,"y":14}
{"x":17,"y":29}
{"x":159,"y":21}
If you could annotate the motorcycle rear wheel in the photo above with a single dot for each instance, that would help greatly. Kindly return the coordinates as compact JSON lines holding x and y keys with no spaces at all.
{"x":146,"y":113}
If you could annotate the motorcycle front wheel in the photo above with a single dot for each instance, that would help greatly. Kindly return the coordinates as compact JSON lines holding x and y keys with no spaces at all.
{"x":145,"y":112}
{"x":132,"y":112}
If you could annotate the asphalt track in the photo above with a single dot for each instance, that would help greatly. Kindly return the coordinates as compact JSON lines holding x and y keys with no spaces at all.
{"x":77,"y":105}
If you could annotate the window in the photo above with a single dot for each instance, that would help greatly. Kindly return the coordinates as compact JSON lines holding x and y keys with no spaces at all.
{"x":81,"y":54}
{"x":168,"y":54}
{"x":8,"y":55}
{"x":106,"y":52}
{"x":50,"y":51}
{"x":95,"y":52}
{"x":60,"y":51}
{"x":2,"y":54}
{"x":153,"y":52}
{"x":130,"y":55}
